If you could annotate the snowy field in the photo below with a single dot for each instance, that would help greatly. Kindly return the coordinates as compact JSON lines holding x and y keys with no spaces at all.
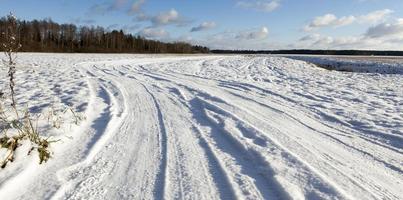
{"x":362,"y":64}
{"x":209,"y":127}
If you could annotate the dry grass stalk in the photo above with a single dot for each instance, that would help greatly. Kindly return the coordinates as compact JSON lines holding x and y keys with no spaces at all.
{"x":21,"y":128}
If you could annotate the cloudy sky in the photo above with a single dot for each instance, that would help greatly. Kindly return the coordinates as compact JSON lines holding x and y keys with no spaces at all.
{"x":235,"y":24}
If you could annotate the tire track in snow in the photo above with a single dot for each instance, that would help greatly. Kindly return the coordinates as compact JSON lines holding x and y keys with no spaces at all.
{"x":254,"y":148}
{"x":200,"y":116}
{"x":334,"y":168}
{"x":216,"y":170}
{"x":101,"y":131}
{"x":350,"y":177}
{"x":329,"y":135}
{"x":193,"y":172}
{"x":346,"y":132}
{"x":216,"y":167}
{"x":94,"y":174}
{"x":268,"y":188}
{"x":161,"y":182}
{"x":198,"y":101}
{"x":166,"y":79}
{"x":249,"y":132}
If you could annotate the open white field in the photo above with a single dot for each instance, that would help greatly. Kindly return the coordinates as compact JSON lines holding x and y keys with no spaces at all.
{"x":209,"y":127}
{"x":363,"y":64}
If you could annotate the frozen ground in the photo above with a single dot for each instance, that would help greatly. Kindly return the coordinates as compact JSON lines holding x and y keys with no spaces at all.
{"x":210,"y":127}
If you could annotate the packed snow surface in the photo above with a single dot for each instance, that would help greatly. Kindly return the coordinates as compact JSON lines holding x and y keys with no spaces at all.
{"x":209,"y":127}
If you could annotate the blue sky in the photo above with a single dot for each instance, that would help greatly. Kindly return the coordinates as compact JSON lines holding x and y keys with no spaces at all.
{"x":235,"y":24}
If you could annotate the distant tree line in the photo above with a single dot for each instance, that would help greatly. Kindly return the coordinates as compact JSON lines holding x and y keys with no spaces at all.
{"x":314,"y":52}
{"x":48,"y":36}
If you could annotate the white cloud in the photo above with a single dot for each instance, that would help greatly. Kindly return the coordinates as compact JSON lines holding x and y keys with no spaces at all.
{"x":171,"y":17}
{"x":384,"y":36}
{"x":250,"y":39}
{"x":321,"y":21}
{"x":344,"y":21}
{"x":311,"y":37}
{"x":317,"y":41}
{"x":164,"y":18}
{"x":386,"y":30}
{"x":153,"y":33}
{"x":203,"y":26}
{"x":259,"y":34}
{"x":333,"y":21}
{"x":376,"y":16}
{"x":136,"y":6}
{"x":259,"y":5}
{"x":329,"y":20}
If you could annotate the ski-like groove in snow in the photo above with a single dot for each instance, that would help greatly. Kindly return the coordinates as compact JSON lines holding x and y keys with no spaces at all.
{"x":161,"y":182}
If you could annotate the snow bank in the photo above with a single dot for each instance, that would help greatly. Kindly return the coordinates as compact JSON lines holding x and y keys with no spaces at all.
{"x":353,"y":65}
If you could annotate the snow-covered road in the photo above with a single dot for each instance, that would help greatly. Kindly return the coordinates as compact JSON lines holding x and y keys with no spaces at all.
{"x":212,"y":127}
